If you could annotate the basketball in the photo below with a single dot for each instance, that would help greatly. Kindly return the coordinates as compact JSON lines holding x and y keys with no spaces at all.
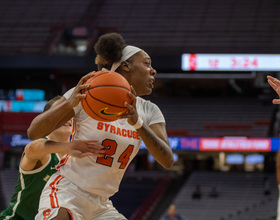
{"x":106,"y":95}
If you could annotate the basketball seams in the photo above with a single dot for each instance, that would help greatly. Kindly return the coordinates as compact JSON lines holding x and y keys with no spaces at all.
{"x":110,"y":92}
{"x":121,"y":87}
{"x":95,"y":112}
{"x":105,"y":102}
{"x":94,"y":77}
{"x":101,"y":74}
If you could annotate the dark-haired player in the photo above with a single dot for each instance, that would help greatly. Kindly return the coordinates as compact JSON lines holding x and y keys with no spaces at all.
{"x":84,"y":186}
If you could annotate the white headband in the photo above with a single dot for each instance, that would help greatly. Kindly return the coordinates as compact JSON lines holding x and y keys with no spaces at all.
{"x":127,"y":52}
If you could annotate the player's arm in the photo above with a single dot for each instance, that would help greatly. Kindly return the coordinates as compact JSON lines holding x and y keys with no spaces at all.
{"x":154,"y":136}
{"x":55,"y":117}
{"x":156,"y":141}
{"x":40,"y":149}
{"x":48,"y":121}
{"x":275,"y":84}
{"x":278,"y":167}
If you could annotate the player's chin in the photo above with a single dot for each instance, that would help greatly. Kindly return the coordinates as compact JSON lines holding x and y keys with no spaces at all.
{"x":149,"y":91}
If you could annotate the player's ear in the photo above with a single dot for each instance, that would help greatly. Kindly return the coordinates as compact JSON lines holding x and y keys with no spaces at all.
{"x":125,"y":66}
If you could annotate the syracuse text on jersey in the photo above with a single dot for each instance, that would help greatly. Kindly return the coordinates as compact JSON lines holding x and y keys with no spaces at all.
{"x":118,"y":131}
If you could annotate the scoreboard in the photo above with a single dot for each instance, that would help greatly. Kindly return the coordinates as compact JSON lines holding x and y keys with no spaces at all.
{"x":230,"y":62}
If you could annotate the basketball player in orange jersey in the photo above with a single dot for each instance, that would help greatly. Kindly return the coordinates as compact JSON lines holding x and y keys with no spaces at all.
{"x":83,"y":186}
{"x":39,"y":162}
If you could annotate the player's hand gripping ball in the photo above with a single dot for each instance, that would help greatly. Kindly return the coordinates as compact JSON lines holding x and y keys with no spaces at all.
{"x":106,"y":95}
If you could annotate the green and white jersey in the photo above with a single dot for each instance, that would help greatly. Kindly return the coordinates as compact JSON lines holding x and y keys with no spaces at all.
{"x":25,"y":201}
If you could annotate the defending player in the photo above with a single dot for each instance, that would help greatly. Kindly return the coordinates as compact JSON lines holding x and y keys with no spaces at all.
{"x":275,"y":84}
{"x":39,"y":162}
{"x":90,"y":182}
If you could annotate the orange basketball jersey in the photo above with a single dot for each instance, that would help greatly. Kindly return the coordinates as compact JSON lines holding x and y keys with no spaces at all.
{"x":102,"y":175}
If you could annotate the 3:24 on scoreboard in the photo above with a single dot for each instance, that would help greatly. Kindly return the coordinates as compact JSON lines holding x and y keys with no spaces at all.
{"x":230,"y":62}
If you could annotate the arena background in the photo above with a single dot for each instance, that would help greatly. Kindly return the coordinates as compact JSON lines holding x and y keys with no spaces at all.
{"x":221,"y":122}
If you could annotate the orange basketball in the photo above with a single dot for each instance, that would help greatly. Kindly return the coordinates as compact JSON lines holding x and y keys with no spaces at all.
{"x":106,"y":95}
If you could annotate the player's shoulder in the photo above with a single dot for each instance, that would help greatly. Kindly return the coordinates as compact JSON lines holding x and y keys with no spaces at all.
{"x":142,"y":101}
{"x":147,"y":106}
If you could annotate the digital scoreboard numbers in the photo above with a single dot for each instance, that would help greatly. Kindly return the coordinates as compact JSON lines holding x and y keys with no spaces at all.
{"x":231,"y":62}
